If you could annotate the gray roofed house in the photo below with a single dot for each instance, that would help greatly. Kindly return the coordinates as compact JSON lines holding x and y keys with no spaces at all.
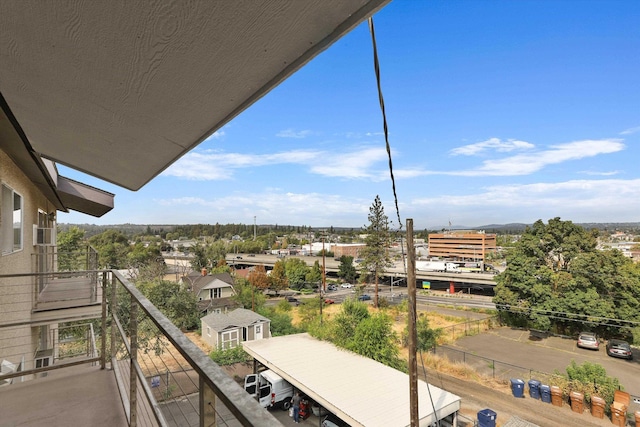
{"x":228,"y":330}
{"x":213,"y":291}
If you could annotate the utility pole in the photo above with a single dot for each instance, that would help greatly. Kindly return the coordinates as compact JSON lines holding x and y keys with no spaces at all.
{"x":254,"y":227}
{"x":324,"y":279}
{"x":413,"y":336}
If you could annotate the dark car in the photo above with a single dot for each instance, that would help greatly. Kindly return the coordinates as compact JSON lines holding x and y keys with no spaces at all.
{"x":364,"y":297}
{"x":588,"y":340}
{"x":238,"y":257}
{"x":294,"y":300}
{"x":619,"y":348}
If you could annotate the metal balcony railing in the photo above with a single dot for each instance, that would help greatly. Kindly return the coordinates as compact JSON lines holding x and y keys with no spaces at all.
{"x":163,"y":378}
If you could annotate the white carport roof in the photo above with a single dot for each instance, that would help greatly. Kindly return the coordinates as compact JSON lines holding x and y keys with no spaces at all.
{"x":360,"y":391}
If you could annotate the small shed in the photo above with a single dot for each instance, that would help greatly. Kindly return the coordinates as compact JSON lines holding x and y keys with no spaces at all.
{"x":228,"y":330}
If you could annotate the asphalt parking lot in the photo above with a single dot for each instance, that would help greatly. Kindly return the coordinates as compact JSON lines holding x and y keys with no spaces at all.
{"x":515,"y":347}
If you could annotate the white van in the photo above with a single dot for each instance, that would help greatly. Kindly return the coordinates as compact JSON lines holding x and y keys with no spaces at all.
{"x":270,"y":389}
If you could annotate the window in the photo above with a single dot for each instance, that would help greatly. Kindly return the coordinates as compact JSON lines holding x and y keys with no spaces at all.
{"x":229,"y":339}
{"x":215,"y":293}
{"x":10,"y":221}
{"x":208,"y":331}
{"x":257,"y":329}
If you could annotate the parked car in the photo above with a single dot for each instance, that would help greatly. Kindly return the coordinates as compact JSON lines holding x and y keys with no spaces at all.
{"x":238,"y":257}
{"x":346,"y":286}
{"x":329,"y":301}
{"x":332,"y":288}
{"x":588,"y":340}
{"x":333,"y":421}
{"x":293,"y":299}
{"x":619,"y":348}
{"x":364,"y":297}
{"x":251,"y":255}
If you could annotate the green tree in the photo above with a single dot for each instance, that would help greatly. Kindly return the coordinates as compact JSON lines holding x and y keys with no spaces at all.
{"x":374,"y":338}
{"x":140,"y":255}
{"x":112,"y":247}
{"x":426,"y":336}
{"x":346,"y":269}
{"x":281,"y":322}
{"x":343,"y":327}
{"x":247,"y":296}
{"x":278,"y":277}
{"x":200,"y":259}
{"x":315,"y":273}
{"x":375,"y":254}
{"x":174,"y":301}
{"x":557,"y":279}
{"x":70,"y":243}
{"x":296,"y":271}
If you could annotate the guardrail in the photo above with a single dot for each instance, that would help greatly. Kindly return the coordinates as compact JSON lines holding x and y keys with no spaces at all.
{"x":163,"y":378}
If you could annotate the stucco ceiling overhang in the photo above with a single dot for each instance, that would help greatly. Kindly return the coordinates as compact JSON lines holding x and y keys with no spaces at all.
{"x":122,"y":89}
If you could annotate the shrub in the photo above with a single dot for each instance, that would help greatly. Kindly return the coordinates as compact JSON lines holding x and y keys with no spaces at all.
{"x":229,"y":356}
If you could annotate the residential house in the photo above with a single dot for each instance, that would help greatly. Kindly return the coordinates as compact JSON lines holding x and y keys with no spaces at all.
{"x":228,"y":330}
{"x":214,"y":292}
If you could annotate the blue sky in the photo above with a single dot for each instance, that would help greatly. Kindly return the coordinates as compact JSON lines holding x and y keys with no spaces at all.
{"x":498,"y":112}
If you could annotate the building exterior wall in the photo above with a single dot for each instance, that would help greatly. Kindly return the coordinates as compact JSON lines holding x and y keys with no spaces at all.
{"x":17,"y":294}
{"x":205,"y":294}
{"x":347,"y":250}
{"x":461,"y":245}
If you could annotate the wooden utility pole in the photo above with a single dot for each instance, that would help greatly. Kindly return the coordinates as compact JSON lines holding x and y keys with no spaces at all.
{"x":413,"y":336}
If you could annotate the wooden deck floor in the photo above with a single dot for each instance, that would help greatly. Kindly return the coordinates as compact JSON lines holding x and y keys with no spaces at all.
{"x":68,"y":292}
{"x":79,"y":396}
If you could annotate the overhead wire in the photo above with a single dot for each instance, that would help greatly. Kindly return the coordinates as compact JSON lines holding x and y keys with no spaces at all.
{"x":376,"y":65}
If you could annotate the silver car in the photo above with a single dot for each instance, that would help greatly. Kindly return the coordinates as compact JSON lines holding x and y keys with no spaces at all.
{"x":588,"y":340}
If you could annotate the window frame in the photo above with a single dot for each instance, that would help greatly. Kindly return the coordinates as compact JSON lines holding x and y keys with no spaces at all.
{"x":11,"y":236}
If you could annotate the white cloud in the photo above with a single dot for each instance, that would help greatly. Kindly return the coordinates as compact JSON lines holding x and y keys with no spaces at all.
{"x":630,"y":131}
{"x":494,"y":144}
{"x":576,"y":200}
{"x":353,"y":164}
{"x":290,"y":133}
{"x":594,"y":173}
{"x":525,"y":164}
{"x":209,"y":165}
{"x":268,"y":207}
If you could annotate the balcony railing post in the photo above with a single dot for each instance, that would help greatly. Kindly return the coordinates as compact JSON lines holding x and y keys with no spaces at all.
{"x":133,"y":384}
{"x":103,"y":333}
{"x":207,"y":405}
{"x":113,"y":304}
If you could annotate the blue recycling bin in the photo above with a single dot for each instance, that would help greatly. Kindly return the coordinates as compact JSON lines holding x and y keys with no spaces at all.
{"x":545,"y":393}
{"x":517,"y":387}
{"x":486,"y":418}
{"x":534,"y":389}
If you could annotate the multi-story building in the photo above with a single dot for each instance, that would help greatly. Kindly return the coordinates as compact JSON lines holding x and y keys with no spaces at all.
{"x":120,"y":91}
{"x":462,"y":245}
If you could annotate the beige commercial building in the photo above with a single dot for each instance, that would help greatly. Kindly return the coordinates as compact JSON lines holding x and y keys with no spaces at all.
{"x":462,"y":245}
